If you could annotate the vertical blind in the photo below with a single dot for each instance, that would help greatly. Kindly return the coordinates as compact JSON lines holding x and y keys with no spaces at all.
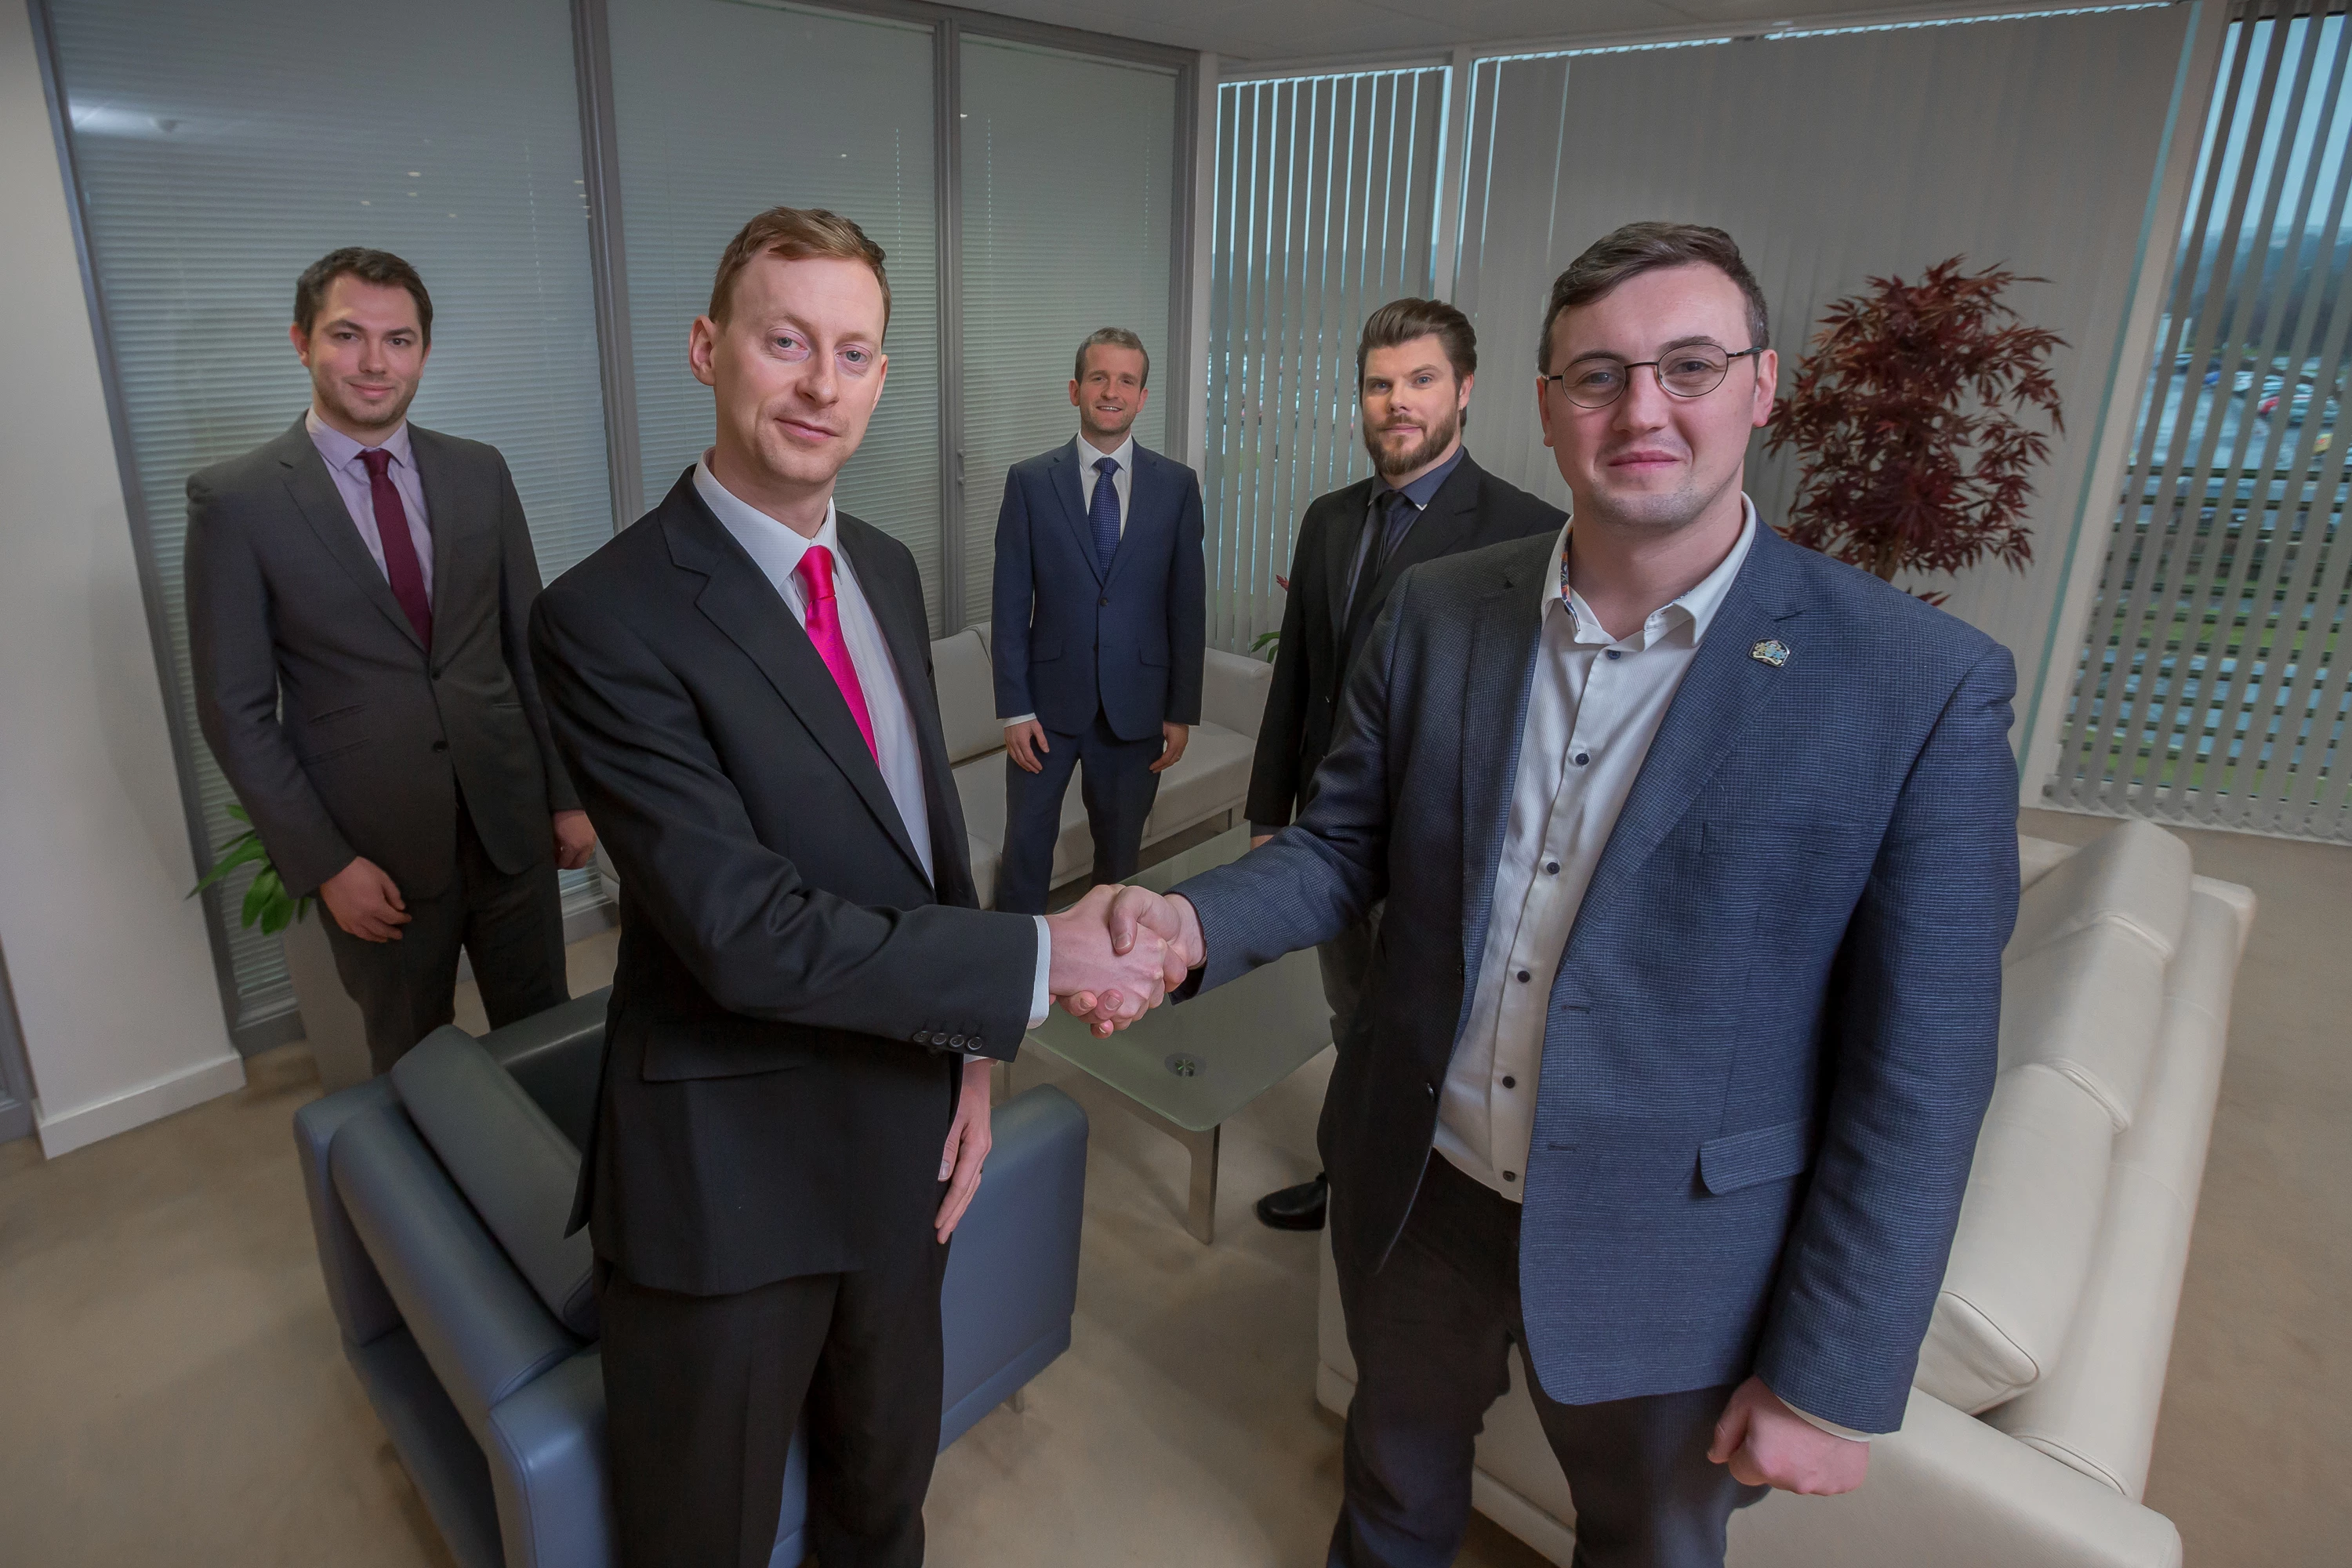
{"x":1068,"y":216}
{"x":2212,"y":686}
{"x":723,"y":109}
{"x":219,"y":157}
{"x":1326,"y":206}
{"x":1830,"y":160}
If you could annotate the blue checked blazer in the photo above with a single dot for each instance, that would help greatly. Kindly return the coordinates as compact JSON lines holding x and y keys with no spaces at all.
{"x":1771,"y":1040}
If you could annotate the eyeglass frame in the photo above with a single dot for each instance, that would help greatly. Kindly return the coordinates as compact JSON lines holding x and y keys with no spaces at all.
{"x":1629,"y":366}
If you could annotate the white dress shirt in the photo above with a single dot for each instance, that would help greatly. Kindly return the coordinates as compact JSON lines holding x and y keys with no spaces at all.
{"x":341,"y":455}
{"x":1122,"y":479}
{"x":777,"y":550}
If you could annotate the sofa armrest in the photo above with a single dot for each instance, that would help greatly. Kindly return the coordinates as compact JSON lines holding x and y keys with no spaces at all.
{"x":1948,"y":1491}
{"x":545,"y":1444}
{"x":557,"y":1056}
{"x":364,"y":1308}
{"x":1234,"y":691}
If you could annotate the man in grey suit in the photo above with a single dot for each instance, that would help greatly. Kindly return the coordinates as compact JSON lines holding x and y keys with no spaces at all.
{"x":1699,"y":852}
{"x":359,"y":591}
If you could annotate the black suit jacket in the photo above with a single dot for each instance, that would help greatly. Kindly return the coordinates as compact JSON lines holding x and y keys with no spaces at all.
{"x":1471,"y":510}
{"x":775,"y":1089}
{"x":340,"y":734}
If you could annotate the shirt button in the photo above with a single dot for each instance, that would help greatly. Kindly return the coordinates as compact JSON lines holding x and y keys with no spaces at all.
{"x":1510,"y":1082}
{"x":1582,"y":758}
{"x":1524,"y":977}
{"x":1614,"y":653}
{"x":1510,"y":1175}
{"x":1552,"y":867}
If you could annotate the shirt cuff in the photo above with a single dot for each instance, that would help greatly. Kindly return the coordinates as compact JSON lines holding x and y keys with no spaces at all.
{"x":1832,"y":1427}
{"x":1040,"y":1002}
{"x":1025,"y":719}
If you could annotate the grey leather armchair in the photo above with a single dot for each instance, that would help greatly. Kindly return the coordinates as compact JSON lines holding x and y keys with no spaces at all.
{"x":438,"y":1195}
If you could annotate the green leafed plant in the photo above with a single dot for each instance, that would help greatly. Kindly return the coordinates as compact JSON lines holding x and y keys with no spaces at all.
{"x":267,"y":902}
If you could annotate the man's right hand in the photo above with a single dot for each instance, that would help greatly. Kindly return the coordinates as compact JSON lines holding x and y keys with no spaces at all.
{"x":1023,"y":743}
{"x":364,"y":901}
{"x":1110,"y":984}
{"x":1139,"y":914}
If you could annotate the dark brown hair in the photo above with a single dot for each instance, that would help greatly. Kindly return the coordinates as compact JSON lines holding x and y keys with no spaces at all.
{"x":1116,"y":338}
{"x":1401,"y":321}
{"x":795,"y":233}
{"x":380,"y":268}
{"x":1640,"y":247}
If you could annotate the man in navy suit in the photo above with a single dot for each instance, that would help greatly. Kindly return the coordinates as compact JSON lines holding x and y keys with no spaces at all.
{"x":1101,"y":610}
{"x":1699,"y":851}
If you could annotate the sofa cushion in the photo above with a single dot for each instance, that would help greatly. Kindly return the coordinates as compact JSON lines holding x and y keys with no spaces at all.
{"x":984,"y":862}
{"x":2023,"y":1245}
{"x":980,"y":786}
{"x":1210,"y":777}
{"x":2134,"y":877}
{"x":2087,"y":1004}
{"x":967,"y":689}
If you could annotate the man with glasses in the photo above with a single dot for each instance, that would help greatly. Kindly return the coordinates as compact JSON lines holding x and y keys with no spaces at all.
{"x":1699,"y":852}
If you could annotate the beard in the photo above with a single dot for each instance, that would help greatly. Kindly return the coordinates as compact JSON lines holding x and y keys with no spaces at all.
{"x":1389,"y":465}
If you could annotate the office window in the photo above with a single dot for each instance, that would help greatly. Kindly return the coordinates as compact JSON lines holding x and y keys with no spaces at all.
{"x":723,"y":109}
{"x":2210,"y":688}
{"x":1067,"y":214}
{"x":221,"y":149}
{"x":1326,"y":207}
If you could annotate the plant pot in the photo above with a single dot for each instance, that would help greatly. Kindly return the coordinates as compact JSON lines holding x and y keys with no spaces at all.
{"x":331,"y":1020}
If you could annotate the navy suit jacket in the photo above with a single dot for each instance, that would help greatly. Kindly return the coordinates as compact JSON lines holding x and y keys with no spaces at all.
{"x":1069,"y":641}
{"x":1772,"y":1035}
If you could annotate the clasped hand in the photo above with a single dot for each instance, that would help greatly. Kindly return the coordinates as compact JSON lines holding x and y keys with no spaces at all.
{"x":1118,"y":951}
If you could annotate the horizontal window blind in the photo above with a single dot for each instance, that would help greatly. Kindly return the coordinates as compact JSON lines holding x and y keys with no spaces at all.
{"x":223,"y":147}
{"x":1325,"y":205}
{"x":2211,"y":685}
{"x":723,"y":110}
{"x":1068,"y":216}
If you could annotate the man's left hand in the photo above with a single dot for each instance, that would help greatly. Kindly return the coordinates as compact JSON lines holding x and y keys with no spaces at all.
{"x":969,"y":1138}
{"x":1769,"y":1445}
{"x":1175,"y":735}
{"x":575,"y":840}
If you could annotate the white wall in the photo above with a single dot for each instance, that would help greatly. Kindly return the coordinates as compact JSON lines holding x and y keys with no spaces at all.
{"x":112,"y":969}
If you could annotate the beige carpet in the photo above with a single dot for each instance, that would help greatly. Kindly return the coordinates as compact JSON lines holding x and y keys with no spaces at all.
{"x":172,"y":1391}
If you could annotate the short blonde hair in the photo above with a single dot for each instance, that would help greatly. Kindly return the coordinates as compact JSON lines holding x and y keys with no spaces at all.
{"x":795,"y":233}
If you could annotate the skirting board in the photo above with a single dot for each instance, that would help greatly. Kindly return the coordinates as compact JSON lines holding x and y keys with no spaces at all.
{"x":158,"y":1098}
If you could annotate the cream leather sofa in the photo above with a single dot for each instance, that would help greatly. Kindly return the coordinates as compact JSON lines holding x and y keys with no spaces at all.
{"x":1212,"y":780}
{"x":2032,"y":1418}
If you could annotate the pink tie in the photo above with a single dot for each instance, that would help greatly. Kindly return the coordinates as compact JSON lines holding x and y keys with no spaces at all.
{"x":823,"y":626}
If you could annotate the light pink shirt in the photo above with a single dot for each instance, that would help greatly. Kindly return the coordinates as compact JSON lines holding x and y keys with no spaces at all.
{"x":341,"y":455}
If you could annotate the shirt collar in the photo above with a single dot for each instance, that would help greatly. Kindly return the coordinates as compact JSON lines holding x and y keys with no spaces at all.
{"x":1696,"y":604}
{"x":1088,"y":456}
{"x":1420,"y":491}
{"x":777,"y":549}
{"x":340,"y":450}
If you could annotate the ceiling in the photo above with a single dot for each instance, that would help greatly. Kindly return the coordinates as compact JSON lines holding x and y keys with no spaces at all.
{"x":1252,"y":30}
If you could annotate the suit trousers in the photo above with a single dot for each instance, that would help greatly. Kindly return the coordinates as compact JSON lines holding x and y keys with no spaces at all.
{"x":511,"y":926}
{"x":1119,"y":788}
{"x":702,"y":1394}
{"x":1431,"y":1332}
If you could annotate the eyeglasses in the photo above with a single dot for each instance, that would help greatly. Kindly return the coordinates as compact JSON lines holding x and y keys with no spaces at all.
{"x":1692,"y":370}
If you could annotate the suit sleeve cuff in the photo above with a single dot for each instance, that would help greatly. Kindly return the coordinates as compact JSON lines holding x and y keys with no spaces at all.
{"x":1040,"y":1002}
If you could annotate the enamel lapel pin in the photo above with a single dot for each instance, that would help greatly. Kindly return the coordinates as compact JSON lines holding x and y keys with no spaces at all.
{"x":1771,"y":651}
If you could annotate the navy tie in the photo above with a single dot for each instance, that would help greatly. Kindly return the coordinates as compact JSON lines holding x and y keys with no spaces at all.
{"x":1104,"y":513}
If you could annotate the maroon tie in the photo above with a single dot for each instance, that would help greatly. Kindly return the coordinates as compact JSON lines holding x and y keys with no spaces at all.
{"x":399,"y":551}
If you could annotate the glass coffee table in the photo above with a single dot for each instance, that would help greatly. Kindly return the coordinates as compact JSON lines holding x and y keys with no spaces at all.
{"x":1187,"y":1069}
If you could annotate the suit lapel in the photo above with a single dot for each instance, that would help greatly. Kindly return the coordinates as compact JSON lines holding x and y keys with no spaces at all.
{"x":314,"y":494}
{"x":1724,"y":695}
{"x":1506,"y":630}
{"x":1069,"y":485}
{"x":442,"y":500}
{"x":1346,"y":539}
{"x":742,"y":602}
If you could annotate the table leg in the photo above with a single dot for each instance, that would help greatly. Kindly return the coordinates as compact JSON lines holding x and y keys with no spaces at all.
{"x":1000,"y":1082}
{"x":1201,"y":1211}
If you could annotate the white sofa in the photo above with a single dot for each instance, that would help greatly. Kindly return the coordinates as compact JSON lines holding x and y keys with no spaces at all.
{"x":1212,"y":780}
{"x":2033,"y":1412}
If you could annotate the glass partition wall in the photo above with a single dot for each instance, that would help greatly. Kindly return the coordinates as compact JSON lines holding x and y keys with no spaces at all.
{"x":564,"y":173}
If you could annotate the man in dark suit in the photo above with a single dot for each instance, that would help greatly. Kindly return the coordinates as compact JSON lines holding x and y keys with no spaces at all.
{"x":794,"y":1112}
{"x":1425,"y":500}
{"x":358,"y":591}
{"x":1101,"y":609}
{"x":1699,"y":852}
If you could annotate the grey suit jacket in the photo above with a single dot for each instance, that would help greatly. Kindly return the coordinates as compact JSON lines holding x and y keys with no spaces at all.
{"x":339,"y":734}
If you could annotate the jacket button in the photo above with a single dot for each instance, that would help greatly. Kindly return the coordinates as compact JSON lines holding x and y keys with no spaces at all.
{"x":1432,"y":1092}
{"x":955,"y":1041}
{"x":1104,"y":601}
{"x":440,"y":745}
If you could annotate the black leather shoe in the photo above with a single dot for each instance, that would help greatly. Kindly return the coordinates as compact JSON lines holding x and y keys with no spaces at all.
{"x":1300,"y":1207}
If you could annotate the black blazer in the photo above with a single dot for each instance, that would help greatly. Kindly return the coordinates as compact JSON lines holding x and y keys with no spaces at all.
{"x":1471,"y":510}
{"x":776,"y":1084}
{"x":338,"y":732}
{"x":1069,"y":641}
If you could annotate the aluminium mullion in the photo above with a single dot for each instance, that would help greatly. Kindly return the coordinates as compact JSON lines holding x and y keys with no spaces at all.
{"x":591,"y":45}
{"x":1327,"y":287}
{"x":1183,"y":229}
{"x":1264,"y":124}
{"x":1282,"y":490}
{"x":1314,"y":270}
{"x":1216,"y":456}
{"x":946,"y":138}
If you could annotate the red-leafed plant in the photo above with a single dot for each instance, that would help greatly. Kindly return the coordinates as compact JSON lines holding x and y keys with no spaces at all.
{"x":1904,"y":421}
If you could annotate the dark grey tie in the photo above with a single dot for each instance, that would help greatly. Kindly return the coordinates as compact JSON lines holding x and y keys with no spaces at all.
{"x":1397,"y":512}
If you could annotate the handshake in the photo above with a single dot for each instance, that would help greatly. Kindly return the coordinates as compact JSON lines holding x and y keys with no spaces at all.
{"x":1118,"y":951}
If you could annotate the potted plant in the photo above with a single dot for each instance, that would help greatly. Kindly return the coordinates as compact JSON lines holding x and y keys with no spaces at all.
{"x":331,"y":1020}
{"x":1904,"y":419}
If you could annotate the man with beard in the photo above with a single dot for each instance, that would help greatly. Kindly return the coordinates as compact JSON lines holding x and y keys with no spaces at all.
{"x":1426,"y":499}
{"x":359,"y":593}
{"x":1100,"y":610}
